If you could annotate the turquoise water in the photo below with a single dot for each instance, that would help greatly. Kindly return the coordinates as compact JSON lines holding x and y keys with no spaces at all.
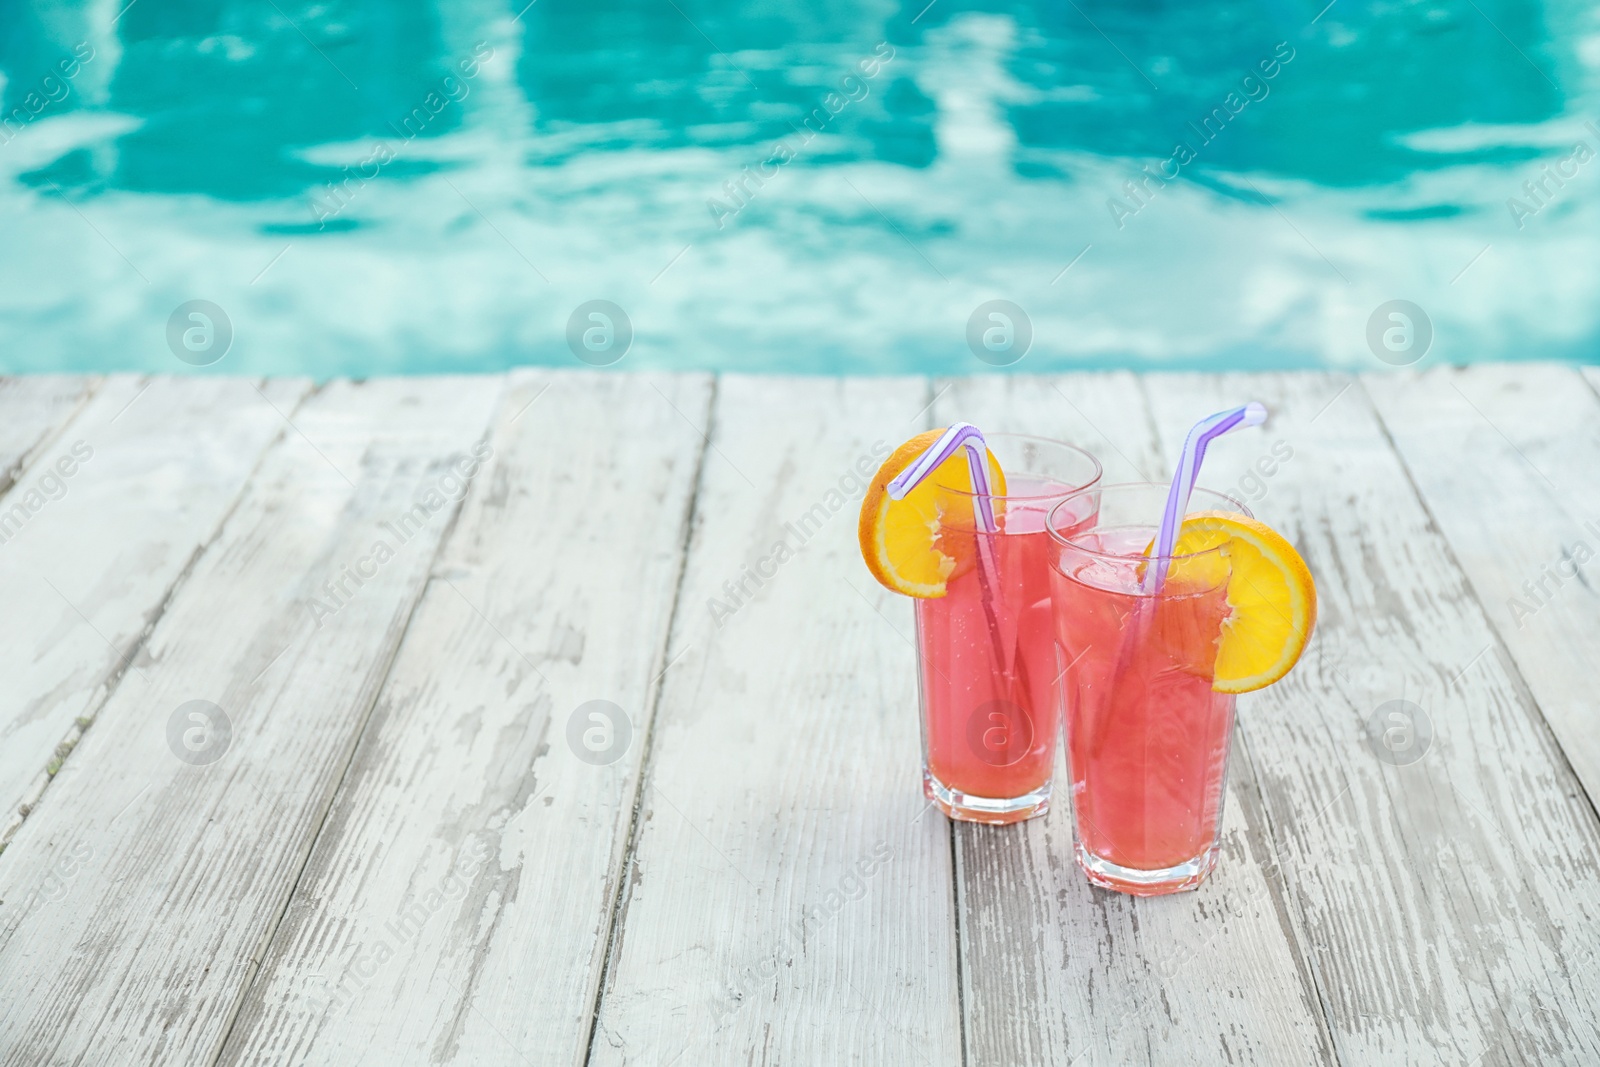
{"x":399,"y":186}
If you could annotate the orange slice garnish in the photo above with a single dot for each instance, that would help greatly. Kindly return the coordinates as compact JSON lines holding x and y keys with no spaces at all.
{"x":917,"y":544}
{"x":1272,"y":599}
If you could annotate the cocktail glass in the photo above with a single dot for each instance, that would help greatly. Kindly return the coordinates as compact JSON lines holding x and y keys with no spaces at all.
{"x":985,"y":650}
{"x":1147,"y":736}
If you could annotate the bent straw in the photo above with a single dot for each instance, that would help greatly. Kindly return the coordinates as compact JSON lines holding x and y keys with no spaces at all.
{"x":964,"y":435}
{"x":961,"y":435}
{"x":1202,"y":434}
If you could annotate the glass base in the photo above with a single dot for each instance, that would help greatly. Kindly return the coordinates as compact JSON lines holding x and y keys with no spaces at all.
{"x":1185,"y":876}
{"x":996,"y":811}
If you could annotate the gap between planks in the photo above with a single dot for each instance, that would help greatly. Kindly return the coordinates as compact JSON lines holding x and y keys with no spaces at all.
{"x":338,"y":779}
{"x":787,"y":828}
{"x":325,"y":535}
{"x":53,"y":433}
{"x":1556,"y":721}
{"x":34,"y":793}
{"x":453,"y":673}
{"x":1031,"y":919}
{"x":617,"y":905}
{"x":1392,"y":942}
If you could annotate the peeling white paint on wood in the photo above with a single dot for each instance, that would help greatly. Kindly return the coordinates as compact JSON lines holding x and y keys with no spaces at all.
{"x":32,"y":411}
{"x":1508,"y":459}
{"x":1449,"y":905}
{"x":458,"y":904}
{"x":141,"y":893}
{"x":789,"y":900}
{"x":100,"y":525}
{"x":782,"y":893}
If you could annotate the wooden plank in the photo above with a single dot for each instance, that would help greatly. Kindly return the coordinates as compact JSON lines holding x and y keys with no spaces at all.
{"x":140,"y":897}
{"x":101,"y":525}
{"x":1508,"y":460}
{"x":1056,"y":971}
{"x":460,"y":900}
{"x":1105,"y":414}
{"x":32,"y":411}
{"x":1444,"y":865}
{"x":789,"y":898}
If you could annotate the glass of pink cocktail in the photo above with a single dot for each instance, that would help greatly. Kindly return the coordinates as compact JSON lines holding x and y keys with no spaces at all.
{"x":1147,"y":735}
{"x":987,"y":670}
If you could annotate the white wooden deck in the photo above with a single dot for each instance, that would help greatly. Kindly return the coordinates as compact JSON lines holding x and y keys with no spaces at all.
{"x":383,"y":840}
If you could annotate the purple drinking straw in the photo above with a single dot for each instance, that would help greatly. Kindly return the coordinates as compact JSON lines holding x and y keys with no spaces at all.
{"x":960,"y":435}
{"x":964,"y":435}
{"x":1204,"y":432}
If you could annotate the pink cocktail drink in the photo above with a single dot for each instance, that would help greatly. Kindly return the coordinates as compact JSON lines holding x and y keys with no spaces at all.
{"x":986,"y":649}
{"x":1147,"y":735}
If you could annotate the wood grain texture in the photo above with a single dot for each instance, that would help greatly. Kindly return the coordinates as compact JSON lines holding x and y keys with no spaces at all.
{"x":100,"y":526}
{"x":1508,"y":458}
{"x":458,"y":904}
{"x":757,"y":878}
{"x":1057,"y":971}
{"x":789,"y":898}
{"x":32,"y":411}
{"x":139,"y":898}
{"x":1449,"y":903}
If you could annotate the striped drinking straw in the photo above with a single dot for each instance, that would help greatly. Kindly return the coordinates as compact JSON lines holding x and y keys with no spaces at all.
{"x":964,"y":435}
{"x":960,"y":435}
{"x":1204,"y":432}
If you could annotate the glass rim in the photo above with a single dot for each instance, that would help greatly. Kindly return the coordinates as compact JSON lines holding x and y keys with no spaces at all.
{"x":1063,"y":540}
{"x":1094,"y":463}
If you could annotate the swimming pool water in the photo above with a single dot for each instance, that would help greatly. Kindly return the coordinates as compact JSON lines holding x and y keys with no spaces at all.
{"x":404,"y":186}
